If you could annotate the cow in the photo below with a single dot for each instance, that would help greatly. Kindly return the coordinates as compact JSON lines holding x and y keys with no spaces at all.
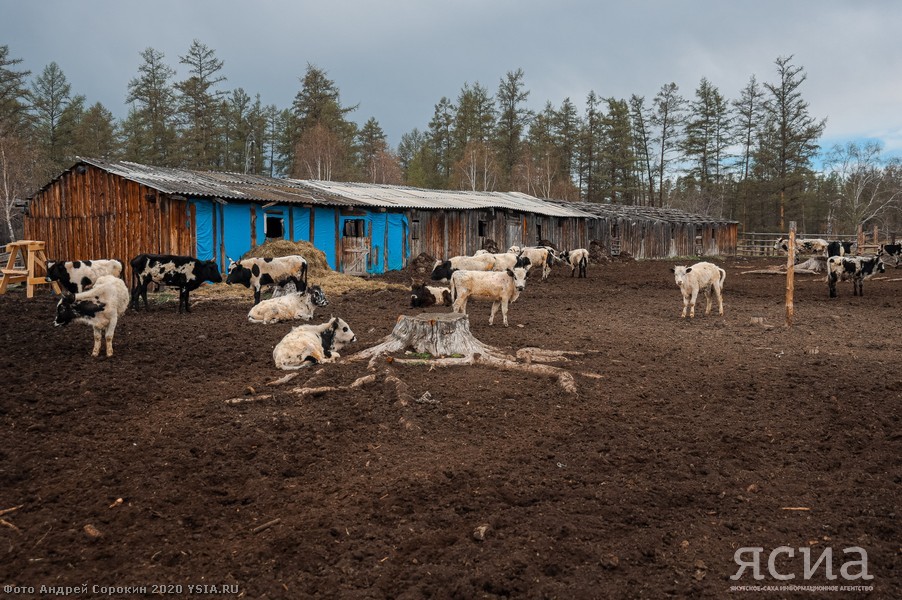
{"x":297,"y":305}
{"x":803,"y":246}
{"x":308,"y":344}
{"x":537,"y":255}
{"x":257,"y":272}
{"x":100,"y":307}
{"x":443,"y":269}
{"x":501,"y":287}
{"x":856,"y":268}
{"x":840,"y":248}
{"x":703,"y":275}
{"x":78,"y":275}
{"x":891,"y":252}
{"x":184,"y":272}
{"x":577,"y":259}
{"x":424,"y":296}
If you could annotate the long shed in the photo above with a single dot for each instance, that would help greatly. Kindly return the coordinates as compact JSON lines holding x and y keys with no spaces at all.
{"x":117,"y":209}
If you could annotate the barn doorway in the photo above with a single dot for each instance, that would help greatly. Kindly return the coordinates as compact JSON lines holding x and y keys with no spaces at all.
{"x":355,"y":246}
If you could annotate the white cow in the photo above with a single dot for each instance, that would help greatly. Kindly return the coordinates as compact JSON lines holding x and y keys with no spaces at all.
{"x":501,"y":287}
{"x":100,"y":307}
{"x":297,"y":305}
{"x":703,"y":275}
{"x":306,"y":344}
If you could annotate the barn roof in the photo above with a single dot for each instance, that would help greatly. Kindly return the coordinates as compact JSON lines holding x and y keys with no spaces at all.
{"x":259,"y":188}
{"x":646,"y":213}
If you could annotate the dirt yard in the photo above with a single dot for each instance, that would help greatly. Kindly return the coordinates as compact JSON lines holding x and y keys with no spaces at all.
{"x":699,"y":438}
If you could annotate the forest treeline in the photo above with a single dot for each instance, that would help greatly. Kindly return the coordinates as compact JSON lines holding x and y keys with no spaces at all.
{"x":750,"y":158}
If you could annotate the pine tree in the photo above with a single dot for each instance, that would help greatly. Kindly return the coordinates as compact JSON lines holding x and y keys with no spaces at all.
{"x":591,"y":143}
{"x":513,"y":118}
{"x":50,"y":95}
{"x":642,"y":138}
{"x":199,"y":108}
{"x":440,"y":140}
{"x":668,"y":117}
{"x":151,"y":125}
{"x":13,"y":94}
{"x":96,"y":135}
{"x":794,"y":134}
{"x":618,"y":162}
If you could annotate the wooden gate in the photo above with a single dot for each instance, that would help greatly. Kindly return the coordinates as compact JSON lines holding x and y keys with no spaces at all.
{"x":355,"y":251}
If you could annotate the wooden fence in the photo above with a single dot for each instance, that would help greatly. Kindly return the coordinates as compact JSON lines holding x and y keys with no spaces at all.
{"x":762,"y":244}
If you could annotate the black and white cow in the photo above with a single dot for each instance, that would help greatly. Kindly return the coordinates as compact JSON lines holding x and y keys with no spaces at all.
{"x":184,"y":272}
{"x":257,"y":272}
{"x":444,"y":269}
{"x":423,"y":296}
{"x":78,"y":275}
{"x":891,"y":252}
{"x":840,"y":248}
{"x":100,"y":307}
{"x":803,"y":246}
{"x":309,"y":344}
{"x":856,"y":268}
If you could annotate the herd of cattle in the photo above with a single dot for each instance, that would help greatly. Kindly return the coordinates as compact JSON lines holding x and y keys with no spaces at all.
{"x":95,"y":293}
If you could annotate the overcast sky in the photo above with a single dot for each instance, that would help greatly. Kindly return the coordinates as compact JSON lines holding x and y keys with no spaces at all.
{"x":397,"y":58}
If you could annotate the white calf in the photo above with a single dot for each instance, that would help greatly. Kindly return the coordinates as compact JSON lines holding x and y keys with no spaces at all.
{"x":306,"y":344}
{"x":100,"y":307}
{"x":298,"y":305}
{"x":537,"y":255}
{"x":700,"y":275}
{"x":577,"y":259}
{"x":444,"y":269}
{"x":500,"y":287}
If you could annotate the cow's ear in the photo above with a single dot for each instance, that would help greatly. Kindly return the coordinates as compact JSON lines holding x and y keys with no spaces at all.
{"x":335,"y":324}
{"x":509,"y":272}
{"x":688,"y":269}
{"x":673,"y":269}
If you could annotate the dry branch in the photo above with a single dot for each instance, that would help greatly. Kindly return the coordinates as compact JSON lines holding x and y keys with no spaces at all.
{"x":6,"y":511}
{"x":283,"y":380}
{"x":242,"y":399}
{"x":266,"y":526}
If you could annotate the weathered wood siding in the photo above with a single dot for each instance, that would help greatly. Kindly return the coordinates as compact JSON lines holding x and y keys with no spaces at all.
{"x":89,"y":213}
{"x":447,"y":233}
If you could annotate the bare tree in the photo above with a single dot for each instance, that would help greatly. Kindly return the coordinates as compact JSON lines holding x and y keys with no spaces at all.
{"x":318,"y":154}
{"x":868,"y":187}
{"x":477,"y":168}
{"x":15,"y":158}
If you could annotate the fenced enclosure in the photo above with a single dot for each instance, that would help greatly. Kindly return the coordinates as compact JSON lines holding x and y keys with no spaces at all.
{"x":762,"y":244}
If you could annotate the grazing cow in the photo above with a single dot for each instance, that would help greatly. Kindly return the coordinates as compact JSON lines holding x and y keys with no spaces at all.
{"x":840,"y":248}
{"x":78,"y":275}
{"x":100,"y":307}
{"x":500,"y":287}
{"x":257,"y":272}
{"x":891,"y":252}
{"x":803,"y":246}
{"x":577,"y":259}
{"x":703,"y":275}
{"x":537,"y":255}
{"x":297,"y":305}
{"x":184,"y":272}
{"x":424,"y":296}
{"x":856,"y":268}
{"x":443,"y":269}
{"x":307,"y":344}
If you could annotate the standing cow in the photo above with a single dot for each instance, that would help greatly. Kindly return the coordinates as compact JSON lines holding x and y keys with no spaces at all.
{"x":184,"y":272}
{"x":257,"y":272}
{"x":100,"y":307}
{"x":78,"y":275}
{"x":703,"y":275}
{"x":856,"y":268}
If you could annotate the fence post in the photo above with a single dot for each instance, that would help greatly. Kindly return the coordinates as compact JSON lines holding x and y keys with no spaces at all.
{"x":790,"y":273}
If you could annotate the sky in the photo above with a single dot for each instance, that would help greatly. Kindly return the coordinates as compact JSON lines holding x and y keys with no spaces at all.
{"x":396,"y":59}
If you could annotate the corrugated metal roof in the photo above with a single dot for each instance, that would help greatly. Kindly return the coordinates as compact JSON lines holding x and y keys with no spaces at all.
{"x":597,"y":209}
{"x":259,"y":188}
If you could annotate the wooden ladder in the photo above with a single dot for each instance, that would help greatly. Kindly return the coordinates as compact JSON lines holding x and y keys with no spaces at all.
{"x":32,"y":255}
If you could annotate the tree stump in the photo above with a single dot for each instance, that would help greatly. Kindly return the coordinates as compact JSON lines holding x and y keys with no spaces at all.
{"x":436,"y":334}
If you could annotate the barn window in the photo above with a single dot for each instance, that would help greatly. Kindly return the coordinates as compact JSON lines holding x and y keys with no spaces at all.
{"x":274,"y":227}
{"x":415,"y":229}
{"x":354,"y":228}
{"x":481,"y":227}
{"x":538,"y":231}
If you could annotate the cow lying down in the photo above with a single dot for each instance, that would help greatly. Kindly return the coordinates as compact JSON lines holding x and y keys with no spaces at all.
{"x":424,"y":296}
{"x":297,"y":305}
{"x":100,"y":307}
{"x":308,"y":344}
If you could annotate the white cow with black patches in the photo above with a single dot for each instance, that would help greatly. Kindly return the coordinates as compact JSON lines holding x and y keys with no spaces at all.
{"x":100,"y":307}
{"x":78,"y":275}
{"x":294,"y":306}
{"x":703,"y":275}
{"x":308,"y":344}
{"x":257,"y":272}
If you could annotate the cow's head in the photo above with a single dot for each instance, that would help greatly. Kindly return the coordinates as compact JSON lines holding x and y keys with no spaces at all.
{"x":207,"y":270}
{"x":519,"y":276}
{"x":56,"y":270}
{"x":69,"y":309}
{"x":679,"y":274}
{"x":514,"y":249}
{"x":420,"y":297}
{"x":523,"y":262}
{"x":238,"y":273}
{"x":442,"y":270}
{"x":337,"y":335}
{"x":317,"y":296}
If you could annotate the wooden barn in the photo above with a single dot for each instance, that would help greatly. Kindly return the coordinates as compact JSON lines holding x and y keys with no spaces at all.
{"x":649,"y":232}
{"x":102,"y":209}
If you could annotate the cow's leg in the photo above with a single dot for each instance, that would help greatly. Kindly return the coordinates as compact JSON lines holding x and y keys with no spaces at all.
{"x":719,"y":292}
{"x":685,"y":304}
{"x":707,"y":300}
{"x":98,"y":334}
{"x":460,"y":305}
{"x":504,"y":304}
{"x":183,"y":297}
{"x":110,"y":332}
{"x":495,"y":305}
{"x":144,"y":293}
{"x":692,"y":302}
{"x":257,"y":295}
{"x":831,"y":284}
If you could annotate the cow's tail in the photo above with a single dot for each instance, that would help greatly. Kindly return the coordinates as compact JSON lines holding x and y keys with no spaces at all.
{"x":303,"y":278}
{"x":453,"y":292}
{"x":723,"y":276}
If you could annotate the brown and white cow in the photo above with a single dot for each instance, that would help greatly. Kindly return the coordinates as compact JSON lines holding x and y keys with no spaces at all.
{"x":424,"y":296}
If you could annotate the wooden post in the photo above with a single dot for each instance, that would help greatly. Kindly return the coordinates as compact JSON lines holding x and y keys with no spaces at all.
{"x":860,"y":237}
{"x":790,"y":273}
{"x":875,"y":239}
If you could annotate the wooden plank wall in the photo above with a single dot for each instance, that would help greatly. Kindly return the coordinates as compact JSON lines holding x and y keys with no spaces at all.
{"x":95,"y":214}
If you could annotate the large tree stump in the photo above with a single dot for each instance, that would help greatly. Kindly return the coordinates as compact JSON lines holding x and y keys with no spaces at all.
{"x":436,"y":334}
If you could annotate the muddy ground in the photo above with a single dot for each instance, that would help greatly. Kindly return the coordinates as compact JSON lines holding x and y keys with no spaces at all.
{"x":694,"y":442}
